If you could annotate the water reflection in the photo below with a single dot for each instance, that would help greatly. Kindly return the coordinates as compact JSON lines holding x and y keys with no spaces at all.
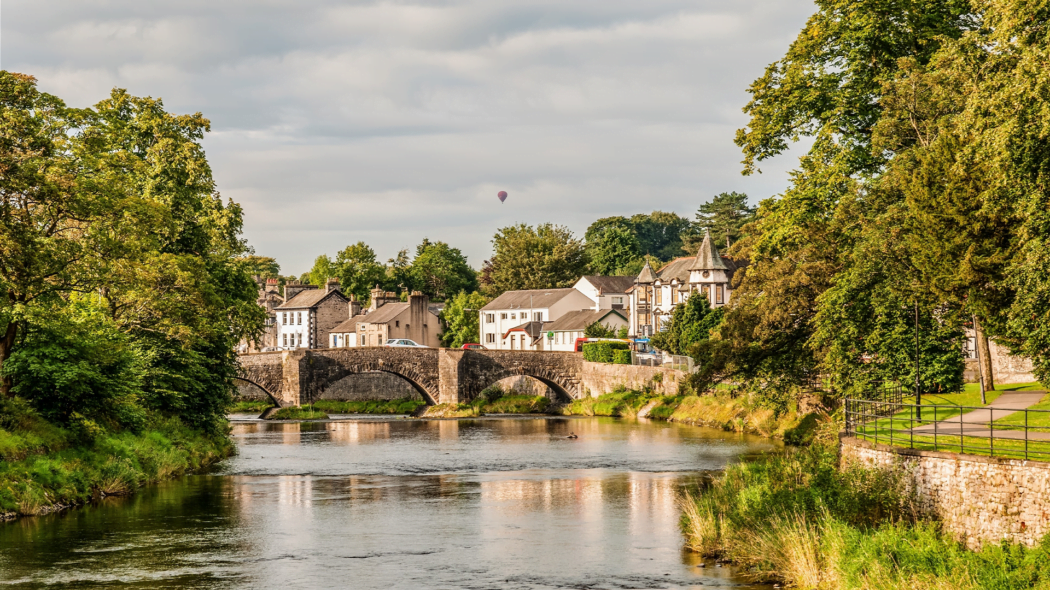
{"x":398,"y":504}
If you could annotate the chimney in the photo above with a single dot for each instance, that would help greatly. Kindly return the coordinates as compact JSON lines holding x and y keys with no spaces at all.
{"x":271,"y":285}
{"x":355,"y":306}
{"x":381,"y":298}
{"x":293,"y":288}
{"x":418,"y":325}
{"x":332,"y":285}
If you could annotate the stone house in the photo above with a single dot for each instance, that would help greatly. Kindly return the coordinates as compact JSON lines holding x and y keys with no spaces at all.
{"x":269,"y":299}
{"x":387,"y":317}
{"x":513,"y":309}
{"x":656,"y":292}
{"x":309,"y":314}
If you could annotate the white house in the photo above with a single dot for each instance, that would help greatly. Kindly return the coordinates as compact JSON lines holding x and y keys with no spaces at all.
{"x":561,"y":334}
{"x":606,"y":292}
{"x":308,"y":315}
{"x":513,"y":309}
{"x":656,"y":293}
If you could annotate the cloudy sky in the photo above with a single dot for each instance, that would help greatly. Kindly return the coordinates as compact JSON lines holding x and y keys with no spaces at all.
{"x":338,"y":121}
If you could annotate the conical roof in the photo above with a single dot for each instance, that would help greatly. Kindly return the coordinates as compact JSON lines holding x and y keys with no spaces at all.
{"x":647,"y":275}
{"x":707,"y":258}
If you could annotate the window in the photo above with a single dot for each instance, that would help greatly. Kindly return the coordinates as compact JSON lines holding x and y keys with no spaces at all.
{"x":299,"y":317}
{"x":502,"y":316}
{"x":674,"y":295}
{"x":286,"y":339}
{"x":490,"y":318}
{"x":659,"y":295}
{"x":617,"y":302}
{"x":284,"y":318}
{"x":397,"y":323}
{"x":513,"y":316}
{"x":490,"y":338}
{"x":538,"y":316}
{"x":718,"y":294}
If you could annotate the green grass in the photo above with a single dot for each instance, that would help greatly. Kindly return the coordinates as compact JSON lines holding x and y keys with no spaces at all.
{"x":395,"y":406}
{"x":797,"y":518}
{"x":44,"y":466}
{"x":1039,"y":419}
{"x":250,"y":406}
{"x":1033,"y":386}
{"x":297,"y":413}
{"x":491,"y":404}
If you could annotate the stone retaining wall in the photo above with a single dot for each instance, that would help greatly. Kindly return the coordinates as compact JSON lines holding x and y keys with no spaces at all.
{"x":979,"y":499}
{"x":599,"y":378}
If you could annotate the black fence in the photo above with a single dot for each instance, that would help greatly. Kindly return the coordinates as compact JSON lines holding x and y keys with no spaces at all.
{"x":974,"y":430}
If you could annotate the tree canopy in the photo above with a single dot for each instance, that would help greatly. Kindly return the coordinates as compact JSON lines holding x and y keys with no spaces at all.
{"x":524,"y":257}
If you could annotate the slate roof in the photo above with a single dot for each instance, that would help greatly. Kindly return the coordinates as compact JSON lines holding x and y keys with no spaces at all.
{"x":578,"y":320}
{"x":611,"y":284}
{"x":647,"y":275}
{"x":309,"y":298}
{"x":707,"y":258}
{"x":534,"y":329}
{"x":349,"y":325}
{"x":529,"y":298}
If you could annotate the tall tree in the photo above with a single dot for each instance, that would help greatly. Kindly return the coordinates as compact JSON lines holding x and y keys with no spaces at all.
{"x":525,"y":257}
{"x":613,"y":251}
{"x":323,"y":270}
{"x":441,"y":270}
{"x":358,"y":270}
{"x":660,"y":233}
{"x":725,"y":216}
{"x":461,"y":317}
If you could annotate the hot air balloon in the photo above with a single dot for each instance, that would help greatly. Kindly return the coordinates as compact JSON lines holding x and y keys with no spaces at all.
{"x":502,"y":196}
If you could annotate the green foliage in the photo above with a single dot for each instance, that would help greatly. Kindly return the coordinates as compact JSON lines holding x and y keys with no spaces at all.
{"x":440,"y":270}
{"x":323,"y":270}
{"x":622,"y":333}
{"x":545,"y":257}
{"x":297,"y":413}
{"x":461,"y":317}
{"x":691,"y":322}
{"x":598,"y":330}
{"x":358,"y":270}
{"x":660,"y":233}
{"x":602,"y":352}
{"x":621,"y":357}
{"x":613,"y":250}
{"x":725,"y":215}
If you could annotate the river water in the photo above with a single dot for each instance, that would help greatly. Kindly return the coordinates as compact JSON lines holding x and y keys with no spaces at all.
{"x":369,"y":503}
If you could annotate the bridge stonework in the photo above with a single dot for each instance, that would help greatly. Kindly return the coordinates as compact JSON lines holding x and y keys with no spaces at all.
{"x":440,"y":375}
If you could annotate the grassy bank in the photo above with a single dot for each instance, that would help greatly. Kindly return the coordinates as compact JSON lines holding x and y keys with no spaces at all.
{"x":718,"y":410}
{"x":250,"y":407}
{"x":298,"y":413}
{"x":795,"y":517}
{"x":394,"y":406}
{"x":493,"y":400}
{"x":44,"y":467}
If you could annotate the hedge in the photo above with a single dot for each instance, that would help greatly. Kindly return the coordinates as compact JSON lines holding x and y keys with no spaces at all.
{"x":622,"y":357}
{"x":602,"y":352}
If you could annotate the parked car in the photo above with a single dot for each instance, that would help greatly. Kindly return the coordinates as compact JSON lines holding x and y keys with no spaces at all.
{"x":473,"y":346}
{"x":403,"y":343}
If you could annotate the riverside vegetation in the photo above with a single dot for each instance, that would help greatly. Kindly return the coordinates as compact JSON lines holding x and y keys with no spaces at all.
{"x":124,"y":294}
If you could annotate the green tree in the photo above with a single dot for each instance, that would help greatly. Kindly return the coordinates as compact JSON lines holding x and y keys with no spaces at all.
{"x":599,"y":330}
{"x":439,"y":270}
{"x":613,"y":250}
{"x":598,"y":227}
{"x":399,"y":273}
{"x":691,"y":322}
{"x":461,"y":316}
{"x":726,"y":215}
{"x":660,"y":233}
{"x":323,"y":270}
{"x":263,"y":267}
{"x":545,"y":257}
{"x":358,"y":270}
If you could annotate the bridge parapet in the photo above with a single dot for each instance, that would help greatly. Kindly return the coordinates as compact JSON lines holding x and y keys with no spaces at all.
{"x":439,"y":375}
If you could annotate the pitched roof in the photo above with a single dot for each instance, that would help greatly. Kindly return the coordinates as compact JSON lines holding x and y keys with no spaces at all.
{"x":309,"y":298}
{"x":529,"y":298}
{"x":611,"y":284}
{"x":349,"y":325}
{"x":386,"y":313}
{"x":647,"y":275}
{"x":534,"y":329}
{"x":707,"y":258}
{"x":578,"y":320}
{"x":676,"y":269}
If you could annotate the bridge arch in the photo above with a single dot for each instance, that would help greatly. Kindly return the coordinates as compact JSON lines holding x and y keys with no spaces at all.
{"x":268,"y":393}
{"x":428,"y":397}
{"x":416,"y":366}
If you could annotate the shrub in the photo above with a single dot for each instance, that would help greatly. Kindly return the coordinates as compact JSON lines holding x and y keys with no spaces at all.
{"x":622,"y":357}
{"x":602,"y":352}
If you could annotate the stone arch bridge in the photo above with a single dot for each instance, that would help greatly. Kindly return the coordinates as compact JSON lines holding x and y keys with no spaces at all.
{"x":292,"y":378}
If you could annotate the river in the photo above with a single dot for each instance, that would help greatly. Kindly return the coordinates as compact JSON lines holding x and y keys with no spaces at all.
{"x":507,"y":503}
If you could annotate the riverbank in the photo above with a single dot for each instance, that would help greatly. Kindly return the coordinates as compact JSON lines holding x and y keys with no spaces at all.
{"x":799,"y":519}
{"x":45,"y":468}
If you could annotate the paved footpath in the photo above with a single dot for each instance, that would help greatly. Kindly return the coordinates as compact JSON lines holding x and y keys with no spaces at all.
{"x":975,"y":423}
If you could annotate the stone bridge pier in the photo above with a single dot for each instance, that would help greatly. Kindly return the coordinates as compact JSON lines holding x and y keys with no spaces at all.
{"x":292,"y":378}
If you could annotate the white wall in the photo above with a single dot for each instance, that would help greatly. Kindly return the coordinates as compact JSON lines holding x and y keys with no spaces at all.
{"x":293,"y":328}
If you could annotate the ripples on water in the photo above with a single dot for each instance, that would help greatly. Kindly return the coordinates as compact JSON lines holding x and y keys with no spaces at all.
{"x":488,"y":503}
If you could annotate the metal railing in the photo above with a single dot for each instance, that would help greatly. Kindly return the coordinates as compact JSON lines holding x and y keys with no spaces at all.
{"x":975,"y":430}
{"x":667,"y":361}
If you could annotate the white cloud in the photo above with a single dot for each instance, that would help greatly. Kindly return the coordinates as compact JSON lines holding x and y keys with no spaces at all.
{"x":390,"y":121}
